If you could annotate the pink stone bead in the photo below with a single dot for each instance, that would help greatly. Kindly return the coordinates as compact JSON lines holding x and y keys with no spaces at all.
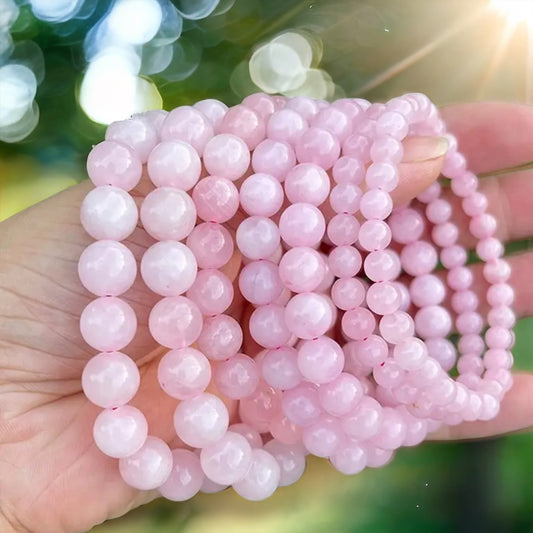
{"x":263,"y":104}
{"x":302,"y":225}
{"x":405,"y":299}
{"x":221,"y":337}
{"x":433,"y":321}
{"x":109,"y":213}
{"x":273,"y":157}
{"x":168,"y":214}
{"x":382,"y":265}
{"x":108,"y":324}
{"x":376,"y":204}
{"x":286,"y":125}
{"x":244,"y":122}
{"x":341,"y":395}
{"x":107,"y":268}
{"x":212,"y":292}
{"x":112,"y":163}
{"x":110,"y":379}
{"x":210,"y":487}
{"x":257,"y":237}
{"x":497,"y":271}
{"x":227,"y":460}
{"x":490,"y":248}
{"x":345,"y":198}
{"x":268,"y":326}
{"x":392,"y":431}
{"x":148,"y":468}
{"x":214,"y":110}
{"x":382,"y":176}
{"x":153,"y":118}
{"x":304,"y":106}
{"x":343,"y":229}
{"x":444,"y":235}
{"x":263,"y":406}
{"x":453,"y":256}
{"x":497,"y":358}
{"x":186,"y":477}
{"x":389,"y":374}
{"x":318,"y":146}
{"x":308,"y":315}
{"x":168,"y":268}
{"x":371,"y":351}
{"x":430,"y":194}
{"x":279,"y":368}
{"x":290,"y":458}
{"x":323,"y":437}
{"x":407,"y":225}
{"x":328,"y":280}
{"x":211,"y":244}
{"x":249,"y":433}
{"x":500,"y":294}
{"x":419,"y":258}
{"x":175,"y":322}
{"x":345,"y":261}
{"x":261,"y":195}
{"x":392,"y":123}
{"x":410,"y":353}
{"x":357,"y":145}
{"x":307,"y":183}
{"x":262,"y":479}
{"x":334,"y":120}
{"x":397,"y":326}
{"x":136,"y":133}
{"x":320,"y":360}
{"x":459,"y":278}
{"x":364,"y":421}
{"x":475,"y":204}
{"x":374,"y":235}
{"x":348,"y":170}
{"x":201,"y":420}
{"x":358,"y":323}
{"x":302,"y":269}
{"x":121,"y":431}
{"x":189,"y":125}
{"x":282,"y":429}
{"x":438,"y":211}
{"x":464,"y":185}
{"x":226,"y":156}
{"x":348,"y":293}
{"x":301,"y":404}
{"x":349,"y":458}
{"x":383,"y":298}
{"x":386,"y":149}
{"x":469,"y":322}
{"x":483,"y":226}
{"x":498,"y":337}
{"x":427,"y":289}
{"x":471,"y":343}
{"x":464,"y":301}
{"x":237,"y":377}
{"x":260,"y":282}
{"x":470,"y":364}
{"x":501,"y":316}
{"x":184,"y":373}
{"x":429,"y":372}
{"x":174,"y":164}
{"x":353,"y":107}
{"x":216,"y":199}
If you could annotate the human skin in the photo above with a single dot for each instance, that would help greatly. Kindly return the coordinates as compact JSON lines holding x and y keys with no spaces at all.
{"x":53,"y":479}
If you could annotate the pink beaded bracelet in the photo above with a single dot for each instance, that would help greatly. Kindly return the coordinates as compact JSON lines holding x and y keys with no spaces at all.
{"x":348,"y":306}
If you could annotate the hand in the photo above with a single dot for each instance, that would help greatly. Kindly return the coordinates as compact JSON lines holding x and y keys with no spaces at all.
{"x":52,"y":476}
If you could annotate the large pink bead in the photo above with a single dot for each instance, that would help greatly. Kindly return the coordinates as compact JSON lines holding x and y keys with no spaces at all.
{"x":433,"y":321}
{"x":323,"y":437}
{"x":168,"y":268}
{"x":175,"y":322}
{"x":419,"y":258}
{"x":213,"y":109}
{"x":244,"y":122}
{"x":308,"y":315}
{"x":371,"y":351}
{"x":334,"y":120}
{"x":261,"y":194}
{"x":109,"y":213}
{"x":382,"y":176}
{"x":186,"y":477}
{"x":184,"y":373}
{"x":107,"y":268}
{"x":410,"y":353}
{"x":394,"y":327}
{"x":382,"y":265}
{"x":108,"y":324}
{"x":212,"y":292}
{"x":221,"y":337}
{"x":302,"y":269}
{"x":268,"y":326}
{"x":110,"y":379}
{"x":137,"y":133}
{"x":291,"y":459}
{"x":345,"y":261}
{"x":318,"y":146}
{"x":301,"y":404}
{"x":174,"y":164}
{"x":386,"y":149}
{"x":273,"y":157}
{"x":302,"y":225}
{"x":168,"y":214}
{"x":282,"y":429}
{"x":237,"y":377}
{"x":121,"y":431}
{"x":201,"y":420}
{"x":112,"y":163}
{"x":262,"y":479}
{"x":348,"y":293}
{"x":345,"y":198}
{"x":286,"y":125}
{"x":427,"y":290}
{"x":358,"y":323}
{"x":348,"y":170}
{"x":216,"y":199}
{"x":263,"y":104}
{"x":374,"y":235}
{"x":259,"y":409}
{"x":392,"y":431}
{"x":341,"y":395}
{"x":320,"y":360}
{"x":279,"y":368}
{"x":304,"y":106}
{"x":260,"y":283}
{"x":257,"y":237}
{"x":249,"y":433}
{"x":407,"y":225}
{"x":211,"y":244}
{"x":226,"y":156}
{"x":153,"y":118}
{"x":148,"y":468}
{"x":349,"y":458}
{"x":307,"y":183}
{"x":364,"y":421}
{"x":376,"y":204}
{"x":383,"y":298}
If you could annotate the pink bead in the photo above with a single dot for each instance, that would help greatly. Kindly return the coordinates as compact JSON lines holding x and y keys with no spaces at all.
{"x":348,"y":293}
{"x":168,"y":268}
{"x":392,"y":431}
{"x":168,"y":214}
{"x":175,"y":322}
{"x":498,"y":337}
{"x":469,"y":322}
{"x":382,"y":176}
{"x":459,"y":278}
{"x":364,"y":421}
{"x":257,"y":237}
{"x":262,"y":479}
{"x":374,"y":235}
{"x":286,"y":125}
{"x":148,"y":468}
{"x":500,"y":294}
{"x":453,"y":256}
{"x":349,"y":458}
{"x":136,"y":133}
{"x":302,"y":269}
{"x":212,"y":292}
{"x":371,"y":351}
{"x":280,"y":369}
{"x":107,"y":268}
{"x":302,"y":225}
{"x":343,"y":229}
{"x":445,"y":235}
{"x":121,"y":431}
{"x":323,"y":437}
{"x":418,"y":258}
{"x":464,"y":185}
{"x":357,"y":146}
{"x":471,"y":343}
{"x":307,"y":183}
{"x":386,"y":149}
{"x":489,"y":248}
{"x":383,"y":298}
{"x":216,"y":199}
{"x":497,"y":358}
{"x":345,"y":261}
{"x":226,"y":156}
{"x":273,"y":157}
{"x":260,"y":283}
{"x":189,"y":125}
{"x":290,"y":458}
{"x":483,"y":226}
{"x":249,"y":433}
{"x":301,"y":404}
{"x":407,"y":225}
{"x":108,"y":324}
{"x":358,"y":323}
{"x":497,"y":271}
{"x":308,"y":315}
{"x":282,"y":429}
{"x":112,"y":163}
{"x":427,"y":290}
{"x":345,"y":198}
{"x":263,"y":104}
{"x":397,"y":326}
{"x":221,"y":337}
{"x":475,"y":204}
{"x":211,"y":244}
{"x":304,"y":106}
{"x":261,"y":194}
{"x":334,"y":120}
{"x":319,"y":146}
{"x":438,"y":211}
{"x":433,"y":321}
{"x":201,"y":420}
{"x":110,"y":379}
{"x":214,"y":110}
{"x":184,"y":373}
{"x":108,"y":213}
{"x":153,"y":118}
{"x":464,"y":301}
{"x":389,"y":374}
{"x":410,"y":353}
{"x":501,"y":316}
{"x":244,"y":122}
{"x":470,"y":364}
{"x":259,"y":409}
{"x":341,"y":395}
{"x":376,"y":204}
{"x":268,"y":327}
{"x":185,"y":479}
{"x":320,"y":360}
{"x":236,"y":377}
{"x":348,"y":170}
{"x":174,"y":164}
{"x":392,"y":123}
{"x":382,"y":265}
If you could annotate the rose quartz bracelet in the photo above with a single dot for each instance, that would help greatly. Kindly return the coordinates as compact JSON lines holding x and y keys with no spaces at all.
{"x":348,"y":305}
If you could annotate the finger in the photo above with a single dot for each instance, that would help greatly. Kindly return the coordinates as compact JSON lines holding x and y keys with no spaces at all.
{"x":516,"y":414}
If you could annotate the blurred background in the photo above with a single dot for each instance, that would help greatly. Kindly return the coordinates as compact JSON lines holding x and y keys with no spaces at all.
{"x":70,"y":67}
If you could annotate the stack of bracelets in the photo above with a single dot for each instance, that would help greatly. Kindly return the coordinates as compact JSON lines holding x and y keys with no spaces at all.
{"x":347,"y":291}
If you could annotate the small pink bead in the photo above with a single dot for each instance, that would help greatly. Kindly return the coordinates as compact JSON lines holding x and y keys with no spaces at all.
{"x":392,"y":431}
{"x":185,"y":479}
{"x":382,"y":176}
{"x":323,"y":437}
{"x":301,"y":404}
{"x":353,"y":107}
{"x":459,"y":278}
{"x":469,"y":322}
{"x":345,"y":261}
{"x":429,"y":372}
{"x":348,"y":170}
{"x":284,"y":431}
{"x":383,"y":298}
{"x":110,"y":379}
{"x":364,"y":421}
{"x":262,"y":479}
{"x":427,"y":289}
{"x":221,"y":337}
{"x":475,"y":204}
{"x":244,"y":122}
{"x":471,"y":343}
{"x":112,"y":163}
{"x":184,"y":373}
{"x":214,"y":110}
{"x":286,"y":125}
{"x":263,"y":406}
{"x":261,"y":194}
{"x":237,"y":377}
{"x":109,"y":213}
{"x":189,"y":125}
{"x":121,"y":431}
{"x":407,"y":225}
{"x":257,"y":237}
{"x":260,"y":282}
{"x":174,"y":164}
{"x":497,"y":358}
{"x":501,"y":316}
{"x":397,"y":326}
{"x":374,"y":235}
{"x":168,"y":214}
{"x":445,"y":235}
{"x":465,"y":185}
{"x":212,"y":292}
{"x":376,"y":204}
{"x":343,"y":229}
{"x":302,"y":269}
{"x":483,"y":226}
{"x":500,"y":294}
{"x":410,"y":353}
{"x":280,"y":369}
{"x":175,"y":322}
{"x":371,"y":351}
{"x":419,"y":258}
{"x":304,"y":106}
{"x":386,"y":149}
{"x":318,"y":146}
{"x":392,"y":123}
{"x":349,"y":458}
{"x":453,"y":256}
{"x":358,"y":323}
{"x":302,"y":225}
{"x":405,"y":299}
{"x":334,"y":120}
{"x":433,"y":321}
{"x":216,"y":199}
{"x":168,"y":268}
{"x":341,"y":395}
{"x":273,"y":157}
{"x":467,"y":364}
{"x":226,"y":156}
{"x":211,"y":244}
{"x":498,"y":337}
{"x":382,"y":265}
{"x":438,"y":211}
{"x":489,"y":248}
{"x":136,"y":133}
{"x":108,"y":324}
{"x":345,"y":198}
{"x":201,"y":420}
{"x":153,"y":118}
{"x":348,"y":293}
{"x":249,"y":433}
{"x":308,"y":315}
{"x":389,"y":374}
{"x":263,"y":104}
{"x":291,"y":459}
{"x":268,"y":327}
{"x":357,"y":146}
{"x":497,"y":271}
{"x":320,"y":360}
{"x":464,"y":301}
{"x":307,"y":183}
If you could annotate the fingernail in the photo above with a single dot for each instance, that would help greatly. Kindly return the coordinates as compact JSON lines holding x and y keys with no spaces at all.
{"x":417,"y":149}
